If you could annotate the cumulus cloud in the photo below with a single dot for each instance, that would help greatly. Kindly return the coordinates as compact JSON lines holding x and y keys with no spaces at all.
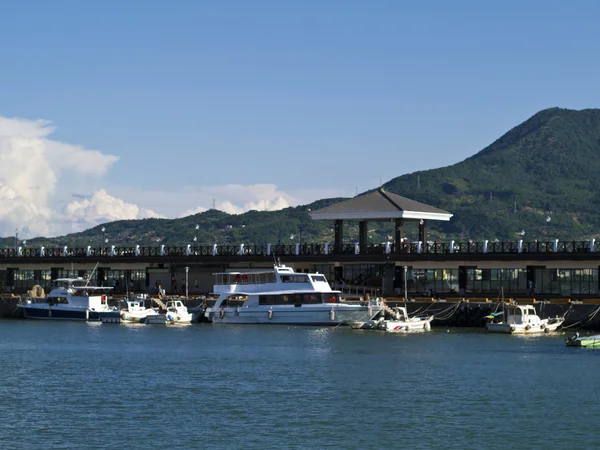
{"x":238,"y":199}
{"x":37,"y":172}
{"x":30,"y":166}
{"x":102,"y":207}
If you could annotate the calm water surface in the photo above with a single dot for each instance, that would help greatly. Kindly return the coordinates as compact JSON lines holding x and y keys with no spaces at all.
{"x":77,"y":385}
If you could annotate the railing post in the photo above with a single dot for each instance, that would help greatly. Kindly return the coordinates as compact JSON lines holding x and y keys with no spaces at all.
{"x":387,"y":248}
{"x":137,"y":250}
{"x":485,"y":245}
{"x":420,"y":247}
{"x":555,"y":245}
{"x":451,"y":246}
{"x":520,"y":246}
{"x":214,"y":252}
{"x":112,"y":250}
{"x":188,"y":250}
{"x":65,"y":250}
{"x":592,"y":244}
{"x":88,"y":251}
{"x":268,"y":249}
{"x":42,"y":251}
{"x":241,"y":249}
{"x":327,"y":248}
{"x":356,"y":248}
{"x":162,"y":250}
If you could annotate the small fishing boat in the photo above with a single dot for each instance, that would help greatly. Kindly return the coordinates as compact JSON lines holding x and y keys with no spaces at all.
{"x":135,"y":310}
{"x":175,"y":313}
{"x":586,"y":341}
{"x":521,"y":319}
{"x":402,"y":323}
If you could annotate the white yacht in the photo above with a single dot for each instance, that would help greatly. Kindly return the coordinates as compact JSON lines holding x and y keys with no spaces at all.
{"x":282,"y":296}
{"x":69,"y":299}
{"x":522,"y":319}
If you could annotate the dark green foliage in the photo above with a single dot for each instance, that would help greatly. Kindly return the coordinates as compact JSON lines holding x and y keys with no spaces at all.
{"x":545,"y":167}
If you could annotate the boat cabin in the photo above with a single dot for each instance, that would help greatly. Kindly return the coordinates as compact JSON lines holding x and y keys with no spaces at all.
{"x":521,"y":314}
{"x":280,"y":278}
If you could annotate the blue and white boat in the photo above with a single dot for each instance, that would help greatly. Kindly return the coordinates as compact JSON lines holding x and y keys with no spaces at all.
{"x":69,"y":299}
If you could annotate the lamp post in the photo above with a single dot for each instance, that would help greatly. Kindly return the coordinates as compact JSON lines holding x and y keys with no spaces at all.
{"x":548,"y":219}
{"x":187,"y":271}
{"x":405,"y":290}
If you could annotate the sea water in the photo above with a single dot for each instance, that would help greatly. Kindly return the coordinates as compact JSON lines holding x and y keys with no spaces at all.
{"x":89,"y":385}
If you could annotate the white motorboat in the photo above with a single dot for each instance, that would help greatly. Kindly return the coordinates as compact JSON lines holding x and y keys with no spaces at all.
{"x":135,"y":310}
{"x":69,"y":299}
{"x":282,"y":296}
{"x":402,"y":323}
{"x":521,"y":319}
{"x":399,"y":322}
{"x":175,"y":313}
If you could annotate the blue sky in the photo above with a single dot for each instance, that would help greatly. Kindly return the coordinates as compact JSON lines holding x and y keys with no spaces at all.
{"x":267,"y":102}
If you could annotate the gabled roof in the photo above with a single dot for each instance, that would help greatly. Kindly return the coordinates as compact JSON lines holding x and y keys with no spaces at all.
{"x":380,"y":205}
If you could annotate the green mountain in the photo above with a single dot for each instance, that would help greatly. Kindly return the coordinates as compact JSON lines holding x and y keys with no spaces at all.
{"x":543,"y":168}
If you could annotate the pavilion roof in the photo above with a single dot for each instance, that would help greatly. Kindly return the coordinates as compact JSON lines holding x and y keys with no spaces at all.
{"x":380,"y":205}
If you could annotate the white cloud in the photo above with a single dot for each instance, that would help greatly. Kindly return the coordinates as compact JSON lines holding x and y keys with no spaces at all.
{"x":37,"y":172}
{"x":191,"y":212}
{"x":101,"y":208}
{"x":230,"y":198}
{"x":30,"y":166}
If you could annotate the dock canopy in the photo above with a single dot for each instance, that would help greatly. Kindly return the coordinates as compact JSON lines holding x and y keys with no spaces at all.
{"x":380,"y":205}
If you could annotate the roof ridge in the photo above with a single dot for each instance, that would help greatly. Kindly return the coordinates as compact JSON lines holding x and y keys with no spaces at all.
{"x":389,"y":199}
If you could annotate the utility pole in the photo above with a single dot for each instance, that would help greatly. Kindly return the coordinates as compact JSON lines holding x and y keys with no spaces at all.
{"x":405,"y":290}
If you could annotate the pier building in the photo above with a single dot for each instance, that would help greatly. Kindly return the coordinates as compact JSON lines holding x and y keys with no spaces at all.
{"x":517,"y":268}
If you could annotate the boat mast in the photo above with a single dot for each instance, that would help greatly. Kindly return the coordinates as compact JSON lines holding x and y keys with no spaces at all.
{"x":91,"y":274}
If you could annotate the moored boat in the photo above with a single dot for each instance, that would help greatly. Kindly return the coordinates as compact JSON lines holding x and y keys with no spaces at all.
{"x":282,"y":296}
{"x":135,"y":311}
{"x":175,"y":313}
{"x":402,"y":323}
{"x":69,"y":299}
{"x":585,"y":341}
{"x":521,"y":319}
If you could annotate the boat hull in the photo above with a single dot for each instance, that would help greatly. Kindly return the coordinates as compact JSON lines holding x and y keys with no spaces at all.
{"x":45,"y":312}
{"x":587,"y":342}
{"x":292,"y":315}
{"x":407,"y":326}
{"x":522,"y":328}
{"x":168,"y":319}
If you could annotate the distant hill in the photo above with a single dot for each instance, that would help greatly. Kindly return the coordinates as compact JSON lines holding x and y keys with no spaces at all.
{"x":547,"y":166}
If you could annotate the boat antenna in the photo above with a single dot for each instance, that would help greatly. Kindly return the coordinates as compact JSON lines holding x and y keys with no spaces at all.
{"x":90,"y":276}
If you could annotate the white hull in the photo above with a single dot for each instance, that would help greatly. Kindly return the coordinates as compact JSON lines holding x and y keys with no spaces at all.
{"x":168,"y":319}
{"x":136,"y":317}
{"x":408,"y":326}
{"x":291,"y":315}
{"x":522,"y":328}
